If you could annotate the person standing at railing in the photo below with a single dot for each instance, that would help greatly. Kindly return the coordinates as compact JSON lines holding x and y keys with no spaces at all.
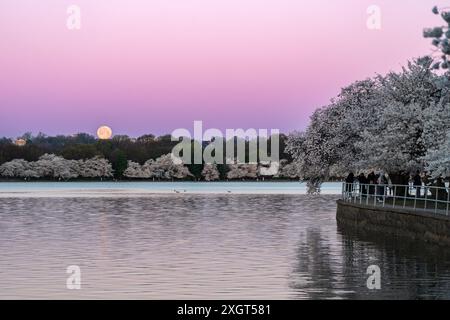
{"x":349,"y":182}
{"x":426,"y":182}
{"x":372,"y":181}
{"x":440,"y":189}
{"x":381,"y":188}
{"x":417,"y":182}
{"x":391,"y":188}
{"x":362,"y":183}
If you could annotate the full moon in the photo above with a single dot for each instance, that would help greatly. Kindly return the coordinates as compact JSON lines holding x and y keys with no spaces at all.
{"x":104,"y":133}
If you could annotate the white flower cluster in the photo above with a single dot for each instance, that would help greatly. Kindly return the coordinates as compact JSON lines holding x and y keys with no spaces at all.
{"x":396,"y":123}
{"x":55,"y":167}
{"x":162,"y":168}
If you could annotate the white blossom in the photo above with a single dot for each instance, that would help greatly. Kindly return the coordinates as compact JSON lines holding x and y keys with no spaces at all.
{"x":242,"y":171}
{"x":135,"y":170}
{"x":165,"y":168}
{"x":56,"y":167}
{"x":394,"y":123}
{"x":14,"y":168}
{"x":210,"y":172}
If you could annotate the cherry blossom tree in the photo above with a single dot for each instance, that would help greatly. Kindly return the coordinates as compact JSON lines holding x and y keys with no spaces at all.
{"x":329,"y":145}
{"x":210,"y":172}
{"x":14,"y":168}
{"x":242,"y":171}
{"x":437,"y":121}
{"x":136,"y":171}
{"x":165,"y":168}
{"x":438,"y":159}
{"x":388,"y":123}
{"x":55,"y":167}
{"x":289,"y":170}
{"x":396,"y":143}
{"x":96,"y":168}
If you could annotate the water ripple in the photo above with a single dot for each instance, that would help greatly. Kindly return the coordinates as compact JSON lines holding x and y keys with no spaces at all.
{"x":204,"y":246}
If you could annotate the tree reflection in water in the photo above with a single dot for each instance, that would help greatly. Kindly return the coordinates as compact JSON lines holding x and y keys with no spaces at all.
{"x":328,"y":269}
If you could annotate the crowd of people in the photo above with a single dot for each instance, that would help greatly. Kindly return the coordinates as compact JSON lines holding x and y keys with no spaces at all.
{"x":380,"y":184}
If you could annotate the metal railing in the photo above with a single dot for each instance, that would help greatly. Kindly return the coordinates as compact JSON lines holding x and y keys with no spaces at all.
{"x":418,"y":198}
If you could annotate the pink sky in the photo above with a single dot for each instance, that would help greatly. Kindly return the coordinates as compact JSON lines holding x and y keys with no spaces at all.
{"x":151,"y":66}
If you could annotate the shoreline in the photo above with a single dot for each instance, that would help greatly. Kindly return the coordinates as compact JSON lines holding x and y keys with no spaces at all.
{"x":138,"y":193}
{"x":142,"y":189}
{"x":417,"y":225}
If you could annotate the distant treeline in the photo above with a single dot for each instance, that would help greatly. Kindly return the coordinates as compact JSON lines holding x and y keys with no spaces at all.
{"x":119,"y":151}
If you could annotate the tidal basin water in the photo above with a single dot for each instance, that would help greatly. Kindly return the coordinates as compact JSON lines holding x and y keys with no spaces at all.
{"x":35,"y":189}
{"x":202,"y":246}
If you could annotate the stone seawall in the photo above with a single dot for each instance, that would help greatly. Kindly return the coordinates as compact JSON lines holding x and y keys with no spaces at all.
{"x":416,"y":225}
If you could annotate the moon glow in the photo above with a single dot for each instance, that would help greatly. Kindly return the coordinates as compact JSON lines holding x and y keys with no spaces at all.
{"x":104,"y":133}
